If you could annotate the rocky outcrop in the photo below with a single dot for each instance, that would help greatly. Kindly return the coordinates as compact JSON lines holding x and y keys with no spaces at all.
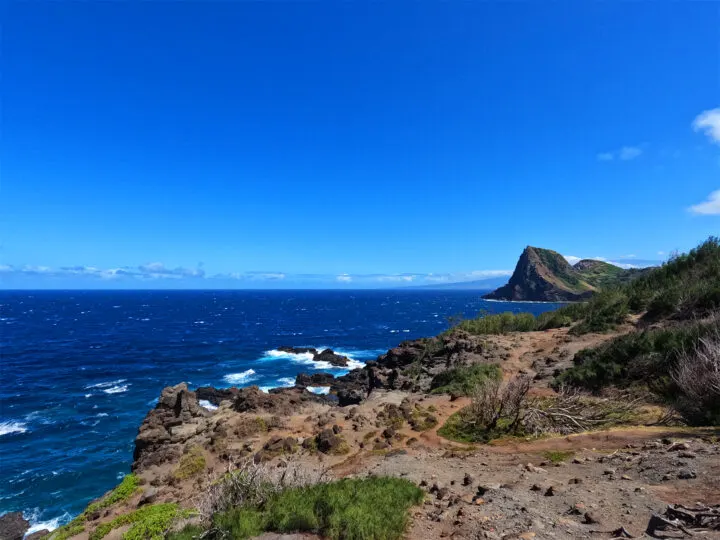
{"x":13,"y":526}
{"x":176,"y":418}
{"x":216,"y":395}
{"x":411,"y":366}
{"x":281,"y":401}
{"x":316,"y":379}
{"x":298,"y":350}
{"x":326,"y":355}
{"x":543,"y":275}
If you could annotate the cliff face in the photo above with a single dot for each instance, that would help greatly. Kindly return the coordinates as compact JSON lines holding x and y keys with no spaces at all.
{"x":543,"y":275}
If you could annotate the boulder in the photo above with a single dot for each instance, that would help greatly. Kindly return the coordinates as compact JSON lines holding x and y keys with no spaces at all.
{"x":332,"y":358}
{"x":13,"y":526}
{"x":176,"y":417}
{"x":328,"y":442}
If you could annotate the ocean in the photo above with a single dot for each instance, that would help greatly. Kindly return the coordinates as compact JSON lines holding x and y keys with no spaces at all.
{"x":80,"y":369}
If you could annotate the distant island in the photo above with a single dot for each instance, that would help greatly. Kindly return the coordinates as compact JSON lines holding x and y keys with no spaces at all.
{"x":543,"y":275}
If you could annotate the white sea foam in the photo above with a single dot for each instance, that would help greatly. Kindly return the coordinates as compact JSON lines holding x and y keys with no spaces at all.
{"x":207,"y":405}
{"x":286,"y":382}
{"x":307,"y":359}
{"x":51,"y":524}
{"x":116,"y":389}
{"x":102,"y":414}
{"x":12,"y":427}
{"x":107,"y":384}
{"x":240,"y":378}
{"x":319,"y":389}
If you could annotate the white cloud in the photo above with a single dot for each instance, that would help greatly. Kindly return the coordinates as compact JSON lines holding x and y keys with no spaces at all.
{"x":708,"y":122}
{"x":626,"y":153}
{"x":709,"y":207}
{"x":661,"y":253}
{"x":396,"y":278}
{"x":344,"y":278}
{"x":572,"y":259}
{"x":489,"y":273}
{"x":629,"y":152}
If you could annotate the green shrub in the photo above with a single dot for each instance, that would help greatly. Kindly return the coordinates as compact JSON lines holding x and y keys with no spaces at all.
{"x":461,"y":381}
{"x":645,"y":357}
{"x":604,"y":312}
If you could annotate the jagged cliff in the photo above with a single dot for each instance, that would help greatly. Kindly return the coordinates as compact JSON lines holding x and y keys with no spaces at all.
{"x":543,"y":275}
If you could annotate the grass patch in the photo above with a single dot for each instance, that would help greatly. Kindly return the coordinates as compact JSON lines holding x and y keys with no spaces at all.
{"x":461,"y":381}
{"x":558,"y":456}
{"x":147,"y":523}
{"x":347,"y":509}
{"x":191,"y":464}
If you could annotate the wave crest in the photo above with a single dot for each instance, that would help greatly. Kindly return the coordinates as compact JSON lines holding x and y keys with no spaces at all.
{"x":240,"y":378}
{"x":8,"y":427}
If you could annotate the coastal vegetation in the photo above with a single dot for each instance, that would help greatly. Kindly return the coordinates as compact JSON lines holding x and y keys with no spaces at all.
{"x":146,"y":523}
{"x":685,"y":287}
{"x":462,"y":380}
{"x":348,"y":509}
{"x":122,"y":492}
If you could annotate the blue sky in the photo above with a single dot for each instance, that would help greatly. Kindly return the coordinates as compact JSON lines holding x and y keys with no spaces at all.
{"x":350,"y":144}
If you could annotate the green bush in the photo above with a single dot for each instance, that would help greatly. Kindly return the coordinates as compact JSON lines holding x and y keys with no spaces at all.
{"x":645,"y":357}
{"x":604,"y":312}
{"x":461,"y":381}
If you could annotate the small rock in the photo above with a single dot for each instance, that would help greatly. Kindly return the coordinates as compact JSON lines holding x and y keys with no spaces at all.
{"x":679,"y":446}
{"x":468,"y":480}
{"x":575,"y":481}
{"x":590,"y":518}
{"x":687,"y":455}
{"x":148,"y":497}
{"x":535,"y":487}
{"x":625,"y":477}
{"x":576,"y":461}
{"x":442,"y":493}
{"x":550,"y":492}
{"x":609,"y":472}
{"x":686,"y":474}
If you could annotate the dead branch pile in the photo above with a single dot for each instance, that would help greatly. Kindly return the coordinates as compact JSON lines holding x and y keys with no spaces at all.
{"x":573,"y":412}
{"x":687,"y":520}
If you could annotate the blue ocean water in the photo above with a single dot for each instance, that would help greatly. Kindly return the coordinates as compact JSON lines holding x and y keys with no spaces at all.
{"x":80,"y":369}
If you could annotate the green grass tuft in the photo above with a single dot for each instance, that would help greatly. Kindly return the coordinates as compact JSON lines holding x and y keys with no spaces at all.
{"x":191,"y":464}
{"x":558,"y":456}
